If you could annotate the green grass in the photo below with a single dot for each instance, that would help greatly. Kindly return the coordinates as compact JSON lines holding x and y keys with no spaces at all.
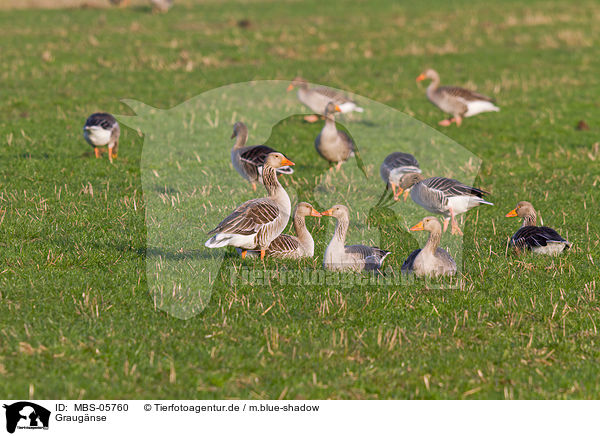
{"x":77,"y":317}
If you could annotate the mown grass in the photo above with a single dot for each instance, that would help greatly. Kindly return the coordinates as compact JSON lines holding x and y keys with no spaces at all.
{"x":76,"y":318}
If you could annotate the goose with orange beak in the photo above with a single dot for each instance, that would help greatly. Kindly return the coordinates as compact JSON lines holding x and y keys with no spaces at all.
{"x":394,"y":167}
{"x":256,"y":223}
{"x":335,"y":146}
{"x":341,"y":257}
{"x":248,"y":160}
{"x":459,"y":102}
{"x":318,"y":97}
{"x":431,"y":260}
{"x":530,"y":237}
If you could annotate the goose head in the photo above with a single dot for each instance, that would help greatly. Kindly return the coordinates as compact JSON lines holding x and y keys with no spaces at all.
{"x":297,"y":82}
{"x":338,"y":211}
{"x":429,"y":224}
{"x":278,"y":160}
{"x":429,"y":74}
{"x":306,"y":209}
{"x":331,"y":109}
{"x":239,"y":129}
{"x":523,"y":209}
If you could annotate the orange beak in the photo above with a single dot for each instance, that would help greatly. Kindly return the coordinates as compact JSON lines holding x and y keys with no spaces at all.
{"x":421,"y":77}
{"x":315,"y":213}
{"x":328,"y":212}
{"x":337,"y":108}
{"x":417,"y":227}
{"x":286,"y":162}
{"x":511,"y":214}
{"x":289,"y":88}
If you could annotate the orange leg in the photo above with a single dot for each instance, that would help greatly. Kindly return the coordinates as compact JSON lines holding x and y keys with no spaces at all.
{"x":311,"y":118}
{"x":262,"y":254}
{"x":458,"y":121}
{"x":254,"y":186}
{"x":244,"y":252}
{"x":406,"y":192}
{"x":446,"y":123}
{"x":98,"y":152}
{"x":338,"y":166}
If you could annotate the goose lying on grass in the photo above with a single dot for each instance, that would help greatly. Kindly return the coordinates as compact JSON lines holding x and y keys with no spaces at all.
{"x":396,"y":165}
{"x":540,"y":240}
{"x":317,"y":98}
{"x":459,"y":102}
{"x":332,"y":144}
{"x":340,"y":257}
{"x":101,"y":129}
{"x":254,"y":224}
{"x":294,"y":247}
{"x":444,"y":196}
{"x":431,"y":260}
{"x":248,"y":161}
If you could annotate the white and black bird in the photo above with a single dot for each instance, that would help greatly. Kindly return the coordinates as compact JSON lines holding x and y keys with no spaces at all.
{"x":102,"y":130}
{"x":394,"y":166}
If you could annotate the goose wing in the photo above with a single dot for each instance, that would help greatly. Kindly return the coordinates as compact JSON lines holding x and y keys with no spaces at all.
{"x":463,"y":94}
{"x":249,"y":218}
{"x":284,"y":244}
{"x":101,"y":119}
{"x":408,"y":265}
{"x":450,"y":187}
{"x":532,"y":236}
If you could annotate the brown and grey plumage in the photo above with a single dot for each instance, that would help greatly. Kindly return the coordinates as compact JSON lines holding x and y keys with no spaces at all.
{"x":540,"y":240}
{"x":394,"y":166}
{"x":102,"y":129}
{"x":341,"y":257}
{"x":294,"y":247}
{"x":256,"y":223}
{"x":317,"y":98}
{"x":444,"y":196}
{"x":248,"y":161}
{"x":459,"y":102}
{"x":332,"y":144}
{"x":431,"y":260}
{"x":161,"y":6}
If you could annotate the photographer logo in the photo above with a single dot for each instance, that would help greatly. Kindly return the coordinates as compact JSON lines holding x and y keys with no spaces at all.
{"x":25,"y":415}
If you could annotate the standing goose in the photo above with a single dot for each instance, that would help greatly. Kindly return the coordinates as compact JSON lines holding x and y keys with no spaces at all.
{"x":318,"y":98}
{"x":431,"y":260}
{"x":295,"y":247}
{"x":444,"y":196}
{"x":257,"y":222}
{"x":540,"y":240}
{"x":332,"y":144}
{"x":340,"y":257}
{"x":394,"y":166}
{"x":248,"y":161}
{"x":101,"y":129}
{"x":458,"y":102}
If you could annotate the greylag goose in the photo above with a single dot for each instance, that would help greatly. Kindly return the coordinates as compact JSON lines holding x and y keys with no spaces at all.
{"x":101,"y":129}
{"x":340,"y":257}
{"x":317,"y":98}
{"x":161,"y":6}
{"x":332,"y":144}
{"x":248,"y":161}
{"x":257,"y":222}
{"x":459,"y":102}
{"x":431,"y":260}
{"x":540,"y":240}
{"x":444,"y":196}
{"x":294,"y":247}
{"x":394,"y":166}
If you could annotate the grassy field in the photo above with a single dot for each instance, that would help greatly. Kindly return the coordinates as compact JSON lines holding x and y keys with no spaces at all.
{"x":79,"y":317}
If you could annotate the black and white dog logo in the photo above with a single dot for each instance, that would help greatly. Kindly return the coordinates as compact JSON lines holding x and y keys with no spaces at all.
{"x":26,"y":415}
